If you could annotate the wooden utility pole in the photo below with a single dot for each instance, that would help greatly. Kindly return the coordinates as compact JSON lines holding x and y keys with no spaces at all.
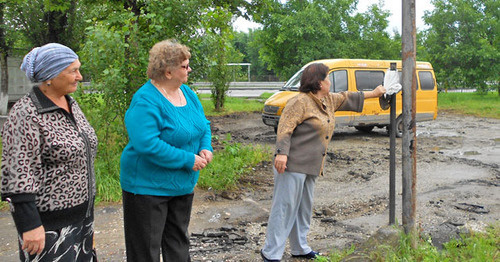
{"x":409,"y":145}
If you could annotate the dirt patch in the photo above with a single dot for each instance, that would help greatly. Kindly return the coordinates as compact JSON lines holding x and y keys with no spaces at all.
{"x":458,"y":177}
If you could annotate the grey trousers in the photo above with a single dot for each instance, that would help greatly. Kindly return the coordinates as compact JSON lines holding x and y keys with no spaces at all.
{"x":290,"y":215}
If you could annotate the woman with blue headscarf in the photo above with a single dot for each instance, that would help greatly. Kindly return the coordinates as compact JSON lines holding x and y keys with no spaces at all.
{"x":48,"y":157}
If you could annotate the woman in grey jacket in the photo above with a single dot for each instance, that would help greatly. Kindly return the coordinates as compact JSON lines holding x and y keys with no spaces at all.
{"x":304,"y":131}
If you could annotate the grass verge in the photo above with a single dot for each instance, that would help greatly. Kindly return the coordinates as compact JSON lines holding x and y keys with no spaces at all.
{"x":108,"y":183}
{"x":233,"y":104}
{"x":231,"y":163}
{"x":476,"y":246}
{"x":487,"y":105}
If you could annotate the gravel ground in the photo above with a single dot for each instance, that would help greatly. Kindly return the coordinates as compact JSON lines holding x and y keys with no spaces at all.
{"x":458,"y":175}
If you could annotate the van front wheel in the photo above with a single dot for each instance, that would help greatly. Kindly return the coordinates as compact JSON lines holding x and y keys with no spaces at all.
{"x":399,"y":126}
{"x":364,"y":128}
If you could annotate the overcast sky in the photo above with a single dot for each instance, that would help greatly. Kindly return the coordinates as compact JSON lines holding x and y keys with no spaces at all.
{"x":394,"y":7}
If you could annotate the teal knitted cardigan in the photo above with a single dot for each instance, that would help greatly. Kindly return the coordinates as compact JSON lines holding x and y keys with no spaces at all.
{"x":163,"y":141}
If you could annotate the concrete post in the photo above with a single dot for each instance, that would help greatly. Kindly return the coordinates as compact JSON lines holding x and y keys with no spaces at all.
{"x":4,"y":85}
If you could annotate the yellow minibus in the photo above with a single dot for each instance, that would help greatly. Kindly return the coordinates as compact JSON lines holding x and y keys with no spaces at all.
{"x":361,"y":75}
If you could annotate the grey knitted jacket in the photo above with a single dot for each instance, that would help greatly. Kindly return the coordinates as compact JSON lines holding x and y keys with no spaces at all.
{"x":306,"y":127}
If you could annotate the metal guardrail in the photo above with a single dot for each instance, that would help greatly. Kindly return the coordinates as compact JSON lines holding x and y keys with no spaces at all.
{"x":242,"y":89}
{"x":459,"y":91}
{"x":242,"y":85}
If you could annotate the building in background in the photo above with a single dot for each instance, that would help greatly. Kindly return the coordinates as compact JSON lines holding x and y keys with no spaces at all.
{"x":19,"y":84}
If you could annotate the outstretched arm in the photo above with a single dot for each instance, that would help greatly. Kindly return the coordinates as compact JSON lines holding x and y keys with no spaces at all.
{"x":377,"y":92}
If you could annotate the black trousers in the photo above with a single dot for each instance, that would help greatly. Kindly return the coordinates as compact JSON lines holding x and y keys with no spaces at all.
{"x":156,"y":223}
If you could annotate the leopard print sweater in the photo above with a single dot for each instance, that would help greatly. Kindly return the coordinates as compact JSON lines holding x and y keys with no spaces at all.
{"x":48,"y":153}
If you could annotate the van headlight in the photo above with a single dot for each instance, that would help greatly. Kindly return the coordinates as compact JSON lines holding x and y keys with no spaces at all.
{"x":271,"y":109}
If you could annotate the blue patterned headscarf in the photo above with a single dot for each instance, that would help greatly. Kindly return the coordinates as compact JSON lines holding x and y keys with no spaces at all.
{"x":46,"y":62}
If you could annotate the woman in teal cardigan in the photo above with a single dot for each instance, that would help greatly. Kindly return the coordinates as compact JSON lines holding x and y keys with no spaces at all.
{"x":169,"y":143}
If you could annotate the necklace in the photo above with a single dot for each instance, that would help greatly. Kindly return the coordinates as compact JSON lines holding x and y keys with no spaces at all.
{"x":179,"y":100}
{"x":170,"y":98}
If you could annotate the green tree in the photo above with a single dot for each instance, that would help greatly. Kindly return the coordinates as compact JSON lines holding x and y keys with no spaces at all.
{"x":245,"y":44}
{"x":373,"y":42}
{"x":26,"y":24}
{"x":219,"y":37}
{"x":115,"y":53}
{"x":46,"y":21}
{"x":298,"y":31}
{"x":115,"y":57}
{"x":219,"y":31}
{"x":462,"y":42}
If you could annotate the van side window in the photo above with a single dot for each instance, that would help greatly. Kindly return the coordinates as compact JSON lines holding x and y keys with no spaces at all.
{"x":368,"y":80}
{"x":401,"y":79}
{"x":294,"y":82}
{"x":339,"y":81}
{"x":426,"y":80}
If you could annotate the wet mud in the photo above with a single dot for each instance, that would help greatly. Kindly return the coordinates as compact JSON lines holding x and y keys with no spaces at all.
{"x":458,"y":178}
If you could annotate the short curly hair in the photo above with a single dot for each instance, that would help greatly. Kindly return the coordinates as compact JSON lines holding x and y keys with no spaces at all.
{"x":311,"y":76}
{"x":166,"y":55}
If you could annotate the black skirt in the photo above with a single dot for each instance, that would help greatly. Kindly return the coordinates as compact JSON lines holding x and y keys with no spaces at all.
{"x":73,"y":243}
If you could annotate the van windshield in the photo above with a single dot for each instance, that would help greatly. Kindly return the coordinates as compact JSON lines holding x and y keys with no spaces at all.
{"x":293,"y":83}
